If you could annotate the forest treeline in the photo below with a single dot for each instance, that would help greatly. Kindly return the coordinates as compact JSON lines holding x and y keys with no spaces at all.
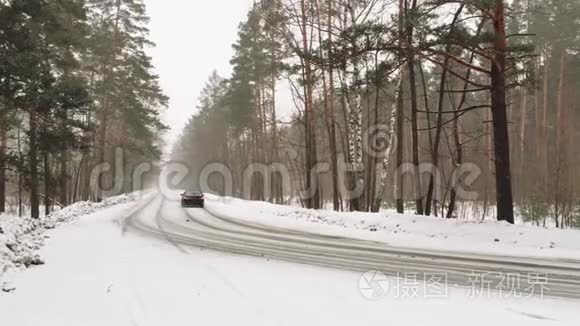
{"x":490,"y":83}
{"x":77,"y":90}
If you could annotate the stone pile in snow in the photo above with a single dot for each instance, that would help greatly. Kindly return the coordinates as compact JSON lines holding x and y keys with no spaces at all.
{"x":22,"y":237}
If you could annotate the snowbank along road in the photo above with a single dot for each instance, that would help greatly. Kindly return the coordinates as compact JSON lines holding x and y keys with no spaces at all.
{"x":200,"y":228}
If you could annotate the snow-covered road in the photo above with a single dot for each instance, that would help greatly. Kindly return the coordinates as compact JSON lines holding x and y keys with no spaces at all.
{"x":197,"y":227}
{"x":134,"y":265}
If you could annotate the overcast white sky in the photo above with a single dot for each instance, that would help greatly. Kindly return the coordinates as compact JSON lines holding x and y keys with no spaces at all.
{"x":193,"y":38}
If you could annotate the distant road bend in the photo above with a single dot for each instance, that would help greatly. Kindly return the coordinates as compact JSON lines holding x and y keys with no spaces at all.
{"x":165,"y":219}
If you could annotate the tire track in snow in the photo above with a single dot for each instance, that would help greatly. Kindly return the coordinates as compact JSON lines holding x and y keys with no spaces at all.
{"x":199,"y":228}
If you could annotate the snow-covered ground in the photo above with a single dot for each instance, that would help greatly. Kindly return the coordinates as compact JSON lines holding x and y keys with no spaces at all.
{"x":97,"y":273}
{"x":22,"y":237}
{"x":408,"y":231}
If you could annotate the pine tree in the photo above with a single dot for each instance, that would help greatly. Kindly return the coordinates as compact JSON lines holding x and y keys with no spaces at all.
{"x":127,"y":92}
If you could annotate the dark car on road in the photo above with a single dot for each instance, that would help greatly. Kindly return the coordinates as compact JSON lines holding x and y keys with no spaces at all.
{"x":192,"y":198}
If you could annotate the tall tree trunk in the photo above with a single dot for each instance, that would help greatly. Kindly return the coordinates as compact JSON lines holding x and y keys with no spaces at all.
{"x":328,"y":98}
{"x":399,"y":184}
{"x":418,"y":192}
{"x":458,"y":143}
{"x":313,"y":200}
{"x":387,"y":156}
{"x":107,"y":71}
{"x":371,"y":199}
{"x":523,"y":141}
{"x":560,"y":125}
{"x":2,"y":164}
{"x":345,"y":133}
{"x":560,"y":133}
{"x":258,"y":138}
{"x":439,"y":120}
{"x":428,"y":112}
{"x":489,"y":159}
{"x":47,"y":183}
{"x":20,"y":178}
{"x":102,"y":144}
{"x":46,"y":169}
{"x":544,"y":130}
{"x":278,"y":191}
{"x":505,"y":205}
{"x":538,"y":111}
{"x":438,"y":131}
{"x":332,"y":117}
{"x":63,"y":178}
{"x":457,"y":159}
{"x":33,"y":161}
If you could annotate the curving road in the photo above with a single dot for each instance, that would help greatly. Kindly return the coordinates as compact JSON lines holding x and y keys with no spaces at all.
{"x":165,"y":219}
